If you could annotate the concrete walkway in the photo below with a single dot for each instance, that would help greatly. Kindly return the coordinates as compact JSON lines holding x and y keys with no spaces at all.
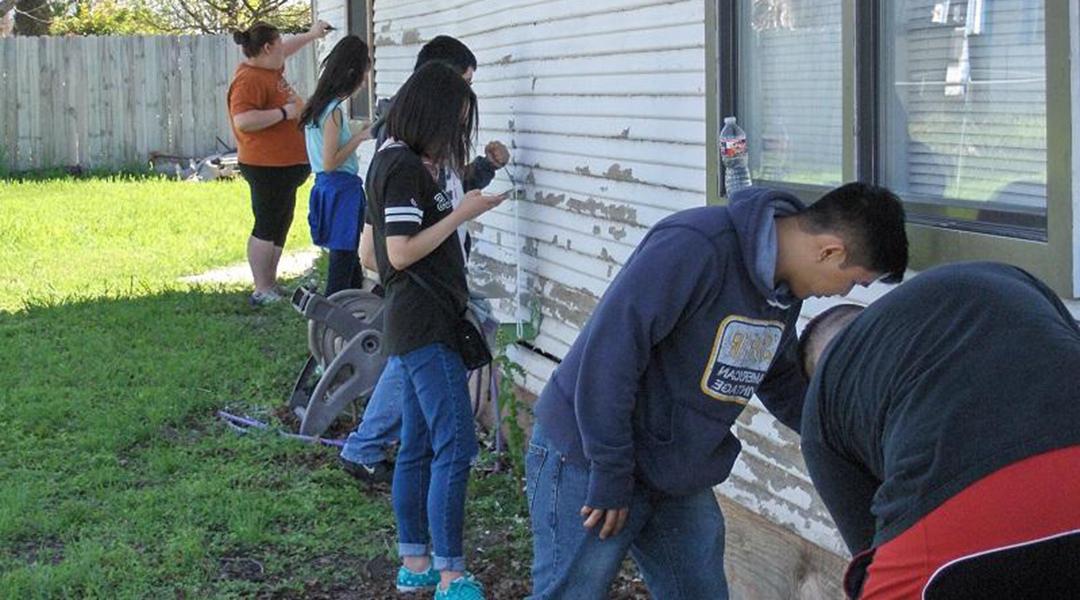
{"x":293,"y":264}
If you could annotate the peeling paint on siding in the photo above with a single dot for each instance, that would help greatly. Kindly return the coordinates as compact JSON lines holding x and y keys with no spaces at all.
{"x":529,"y":247}
{"x":571,"y":305}
{"x":410,"y":37}
{"x":621,"y":213}
{"x":614,"y":172}
{"x":549,"y":199}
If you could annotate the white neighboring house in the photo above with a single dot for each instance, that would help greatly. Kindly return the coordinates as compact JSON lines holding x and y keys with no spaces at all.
{"x":610,"y":109}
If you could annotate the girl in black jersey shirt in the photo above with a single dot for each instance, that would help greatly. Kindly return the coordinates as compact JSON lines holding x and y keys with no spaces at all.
{"x":415,"y":237}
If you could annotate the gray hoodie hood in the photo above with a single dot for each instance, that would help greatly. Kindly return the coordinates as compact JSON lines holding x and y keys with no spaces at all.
{"x":753,"y":212}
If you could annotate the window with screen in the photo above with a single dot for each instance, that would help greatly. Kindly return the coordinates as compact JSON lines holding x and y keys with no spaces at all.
{"x":789,"y":90}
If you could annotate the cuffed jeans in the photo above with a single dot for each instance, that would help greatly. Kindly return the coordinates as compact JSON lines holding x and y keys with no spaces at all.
{"x":381,"y":425}
{"x":677,"y":542}
{"x":438,"y":443}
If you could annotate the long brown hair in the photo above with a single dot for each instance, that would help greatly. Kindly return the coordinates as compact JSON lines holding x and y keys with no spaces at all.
{"x":343,"y":72}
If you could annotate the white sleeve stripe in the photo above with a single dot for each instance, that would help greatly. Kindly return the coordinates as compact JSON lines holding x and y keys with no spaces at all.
{"x":402,"y":219}
{"x":407,"y":210}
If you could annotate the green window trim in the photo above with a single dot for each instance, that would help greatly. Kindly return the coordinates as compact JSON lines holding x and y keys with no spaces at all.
{"x":1053,"y":260}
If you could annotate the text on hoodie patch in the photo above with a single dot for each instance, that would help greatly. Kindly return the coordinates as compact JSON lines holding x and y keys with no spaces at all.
{"x":741,"y":355}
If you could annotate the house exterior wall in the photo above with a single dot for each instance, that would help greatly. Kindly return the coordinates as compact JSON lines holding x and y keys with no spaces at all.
{"x":604,"y":107}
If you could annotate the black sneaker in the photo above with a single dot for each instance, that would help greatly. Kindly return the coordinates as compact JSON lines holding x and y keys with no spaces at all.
{"x":379,"y":472}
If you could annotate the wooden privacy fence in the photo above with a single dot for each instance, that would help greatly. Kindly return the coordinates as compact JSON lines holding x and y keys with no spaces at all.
{"x":108,"y":102}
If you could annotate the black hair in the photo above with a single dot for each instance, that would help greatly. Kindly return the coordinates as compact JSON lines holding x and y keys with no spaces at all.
{"x":841,"y":315}
{"x":451,"y":51}
{"x":255,"y":37}
{"x":435,"y":114}
{"x":870,"y":220}
{"x":343,"y":72}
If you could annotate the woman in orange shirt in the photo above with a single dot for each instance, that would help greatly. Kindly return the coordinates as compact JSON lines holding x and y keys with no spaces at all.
{"x":272,"y":155}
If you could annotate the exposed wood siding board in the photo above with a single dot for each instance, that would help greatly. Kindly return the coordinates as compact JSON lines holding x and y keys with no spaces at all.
{"x":753,"y":472}
{"x":819,"y":531}
{"x":766,"y":437}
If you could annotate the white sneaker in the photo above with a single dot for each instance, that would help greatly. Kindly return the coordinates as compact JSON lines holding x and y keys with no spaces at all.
{"x":263,"y":298}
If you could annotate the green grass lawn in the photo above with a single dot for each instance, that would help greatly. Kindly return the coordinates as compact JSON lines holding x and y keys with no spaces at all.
{"x":116,"y":478}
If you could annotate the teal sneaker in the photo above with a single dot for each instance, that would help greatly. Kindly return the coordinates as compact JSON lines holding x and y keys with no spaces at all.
{"x":465,"y":587}
{"x":408,"y":581}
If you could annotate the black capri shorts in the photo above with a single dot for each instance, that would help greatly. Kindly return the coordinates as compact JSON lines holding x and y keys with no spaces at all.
{"x":273,"y":199}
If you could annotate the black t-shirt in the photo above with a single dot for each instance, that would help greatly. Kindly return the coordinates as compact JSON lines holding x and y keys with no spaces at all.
{"x":404,"y":199}
{"x":963,"y":370}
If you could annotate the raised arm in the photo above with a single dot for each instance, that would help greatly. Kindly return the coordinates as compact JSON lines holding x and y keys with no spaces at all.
{"x":294,"y":43}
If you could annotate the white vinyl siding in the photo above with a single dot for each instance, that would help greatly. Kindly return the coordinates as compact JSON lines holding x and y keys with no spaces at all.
{"x":603,"y":106}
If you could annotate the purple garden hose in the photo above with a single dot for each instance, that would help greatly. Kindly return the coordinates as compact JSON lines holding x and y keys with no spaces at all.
{"x":242,"y":424}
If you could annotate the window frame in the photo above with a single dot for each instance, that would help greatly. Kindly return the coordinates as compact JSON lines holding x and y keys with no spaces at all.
{"x":933,"y":240}
{"x":362,"y":104}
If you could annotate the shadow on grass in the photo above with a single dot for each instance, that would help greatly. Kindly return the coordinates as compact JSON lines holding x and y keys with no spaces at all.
{"x":133,"y":172}
{"x":119,"y":481}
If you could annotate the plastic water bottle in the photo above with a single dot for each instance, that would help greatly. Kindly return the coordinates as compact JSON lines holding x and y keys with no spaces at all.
{"x":733,"y":154}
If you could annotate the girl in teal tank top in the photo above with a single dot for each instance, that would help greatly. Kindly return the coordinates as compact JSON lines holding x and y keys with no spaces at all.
{"x":336,"y":205}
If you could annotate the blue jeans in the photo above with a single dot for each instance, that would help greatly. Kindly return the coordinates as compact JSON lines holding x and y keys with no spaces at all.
{"x":438,"y":443}
{"x":381,"y":425}
{"x":677,"y":542}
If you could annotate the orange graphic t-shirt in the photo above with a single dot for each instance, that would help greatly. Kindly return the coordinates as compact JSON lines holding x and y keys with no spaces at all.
{"x":281,"y":144}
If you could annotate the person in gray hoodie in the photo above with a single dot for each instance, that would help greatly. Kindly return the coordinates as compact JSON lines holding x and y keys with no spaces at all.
{"x":634,"y":427}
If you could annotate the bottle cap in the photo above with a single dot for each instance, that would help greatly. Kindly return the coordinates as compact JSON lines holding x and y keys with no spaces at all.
{"x":729,"y":120}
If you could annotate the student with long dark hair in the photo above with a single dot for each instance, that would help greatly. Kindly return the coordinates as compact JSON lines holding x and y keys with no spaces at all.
{"x":364,"y":455}
{"x":422,"y":266}
{"x":336,"y":206}
{"x":263,"y":107}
